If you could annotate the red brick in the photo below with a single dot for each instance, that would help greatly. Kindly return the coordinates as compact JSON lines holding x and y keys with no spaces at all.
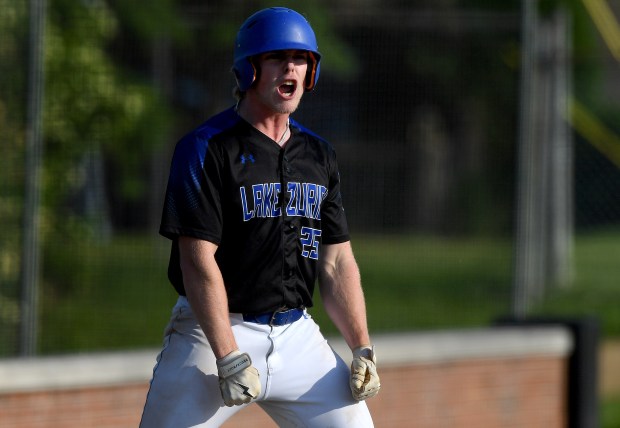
{"x":485,"y":393}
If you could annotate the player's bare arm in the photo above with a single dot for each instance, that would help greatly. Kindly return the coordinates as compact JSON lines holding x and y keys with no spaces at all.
{"x":341,"y":292}
{"x":343,"y":298}
{"x":206,"y":293}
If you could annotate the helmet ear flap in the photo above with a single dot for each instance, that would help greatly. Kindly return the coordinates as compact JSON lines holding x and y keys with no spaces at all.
{"x":245,"y":73}
{"x":312,"y":74}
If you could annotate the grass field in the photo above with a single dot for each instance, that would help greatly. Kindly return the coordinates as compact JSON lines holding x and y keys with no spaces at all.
{"x":123,"y":299}
{"x":596,"y":289}
{"x":120,"y":297}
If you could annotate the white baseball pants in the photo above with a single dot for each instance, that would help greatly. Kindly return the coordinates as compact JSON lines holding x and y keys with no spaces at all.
{"x":304,"y":382}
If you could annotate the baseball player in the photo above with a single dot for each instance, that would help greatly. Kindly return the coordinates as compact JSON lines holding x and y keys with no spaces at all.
{"x":254,"y":212}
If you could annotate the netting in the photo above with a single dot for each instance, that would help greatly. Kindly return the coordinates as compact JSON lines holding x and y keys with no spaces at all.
{"x":420,"y":101}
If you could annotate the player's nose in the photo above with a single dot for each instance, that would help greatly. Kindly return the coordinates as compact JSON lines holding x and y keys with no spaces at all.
{"x":289,"y":63}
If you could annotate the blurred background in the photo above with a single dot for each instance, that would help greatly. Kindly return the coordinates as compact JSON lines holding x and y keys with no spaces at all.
{"x":478,"y":143}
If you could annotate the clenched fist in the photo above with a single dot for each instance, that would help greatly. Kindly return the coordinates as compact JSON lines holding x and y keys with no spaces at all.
{"x":364,"y":379}
{"x":239,"y":381}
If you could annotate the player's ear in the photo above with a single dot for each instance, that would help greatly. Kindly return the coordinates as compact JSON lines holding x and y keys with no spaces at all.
{"x":255,"y":63}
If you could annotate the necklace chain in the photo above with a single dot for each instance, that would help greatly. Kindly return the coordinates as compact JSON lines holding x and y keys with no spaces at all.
{"x":284,"y":134}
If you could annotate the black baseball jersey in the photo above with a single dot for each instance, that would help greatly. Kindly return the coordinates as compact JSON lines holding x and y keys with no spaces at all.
{"x":269,"y":209}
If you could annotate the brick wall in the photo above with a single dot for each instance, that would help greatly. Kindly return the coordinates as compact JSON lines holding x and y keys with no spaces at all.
{"x":493,"y":378}
{"x":102,"y":407}
{"x":524,"y":393}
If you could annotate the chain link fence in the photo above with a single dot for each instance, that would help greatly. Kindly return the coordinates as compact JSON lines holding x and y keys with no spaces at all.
{"x":420,"y":100}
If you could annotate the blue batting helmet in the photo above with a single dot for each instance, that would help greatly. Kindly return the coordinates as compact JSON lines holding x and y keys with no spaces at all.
{"x":273,"y":29}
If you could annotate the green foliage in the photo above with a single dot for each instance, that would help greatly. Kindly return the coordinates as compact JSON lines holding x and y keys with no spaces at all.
{"x":159,"y":18}
{"x":610,"y":412}
{"x":12,"y":139}
{"x":91,"y":103}
{"x":337,"y":57}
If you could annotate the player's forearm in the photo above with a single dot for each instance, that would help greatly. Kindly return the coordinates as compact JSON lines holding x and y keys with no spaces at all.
{"x":210,"y":307}
{"x":347,"y":311}
{"x":343,"y":298}
{"x":207,"y":295}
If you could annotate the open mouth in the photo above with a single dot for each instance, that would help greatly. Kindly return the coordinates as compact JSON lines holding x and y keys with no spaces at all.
{"x":288,"y":88}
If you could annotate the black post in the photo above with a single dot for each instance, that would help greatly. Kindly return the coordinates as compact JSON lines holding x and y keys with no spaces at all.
{"x":582,"y":399}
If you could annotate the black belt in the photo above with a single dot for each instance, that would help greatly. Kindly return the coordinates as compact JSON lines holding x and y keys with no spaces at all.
{"x":281,"y":317}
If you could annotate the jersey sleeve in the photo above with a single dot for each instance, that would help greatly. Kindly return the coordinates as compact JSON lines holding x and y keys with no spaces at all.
{"x":192,"y":205}
{"x":333,"y":218}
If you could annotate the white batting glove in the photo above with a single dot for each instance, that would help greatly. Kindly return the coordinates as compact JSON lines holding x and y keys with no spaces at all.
{"x":239,"y":381}
{"x":365,"y":382}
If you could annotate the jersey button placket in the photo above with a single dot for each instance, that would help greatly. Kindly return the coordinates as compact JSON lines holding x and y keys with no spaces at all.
{"x":286,"y":168}
{"x":289,"y":232}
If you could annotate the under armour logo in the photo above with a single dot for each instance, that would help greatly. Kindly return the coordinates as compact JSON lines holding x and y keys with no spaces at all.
{"x":245,"y":158}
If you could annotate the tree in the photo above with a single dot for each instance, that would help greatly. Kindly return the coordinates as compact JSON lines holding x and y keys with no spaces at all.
{"x":92,"y":106}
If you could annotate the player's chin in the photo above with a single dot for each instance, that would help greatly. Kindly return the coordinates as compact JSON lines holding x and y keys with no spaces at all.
{"x":287,"y":106}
